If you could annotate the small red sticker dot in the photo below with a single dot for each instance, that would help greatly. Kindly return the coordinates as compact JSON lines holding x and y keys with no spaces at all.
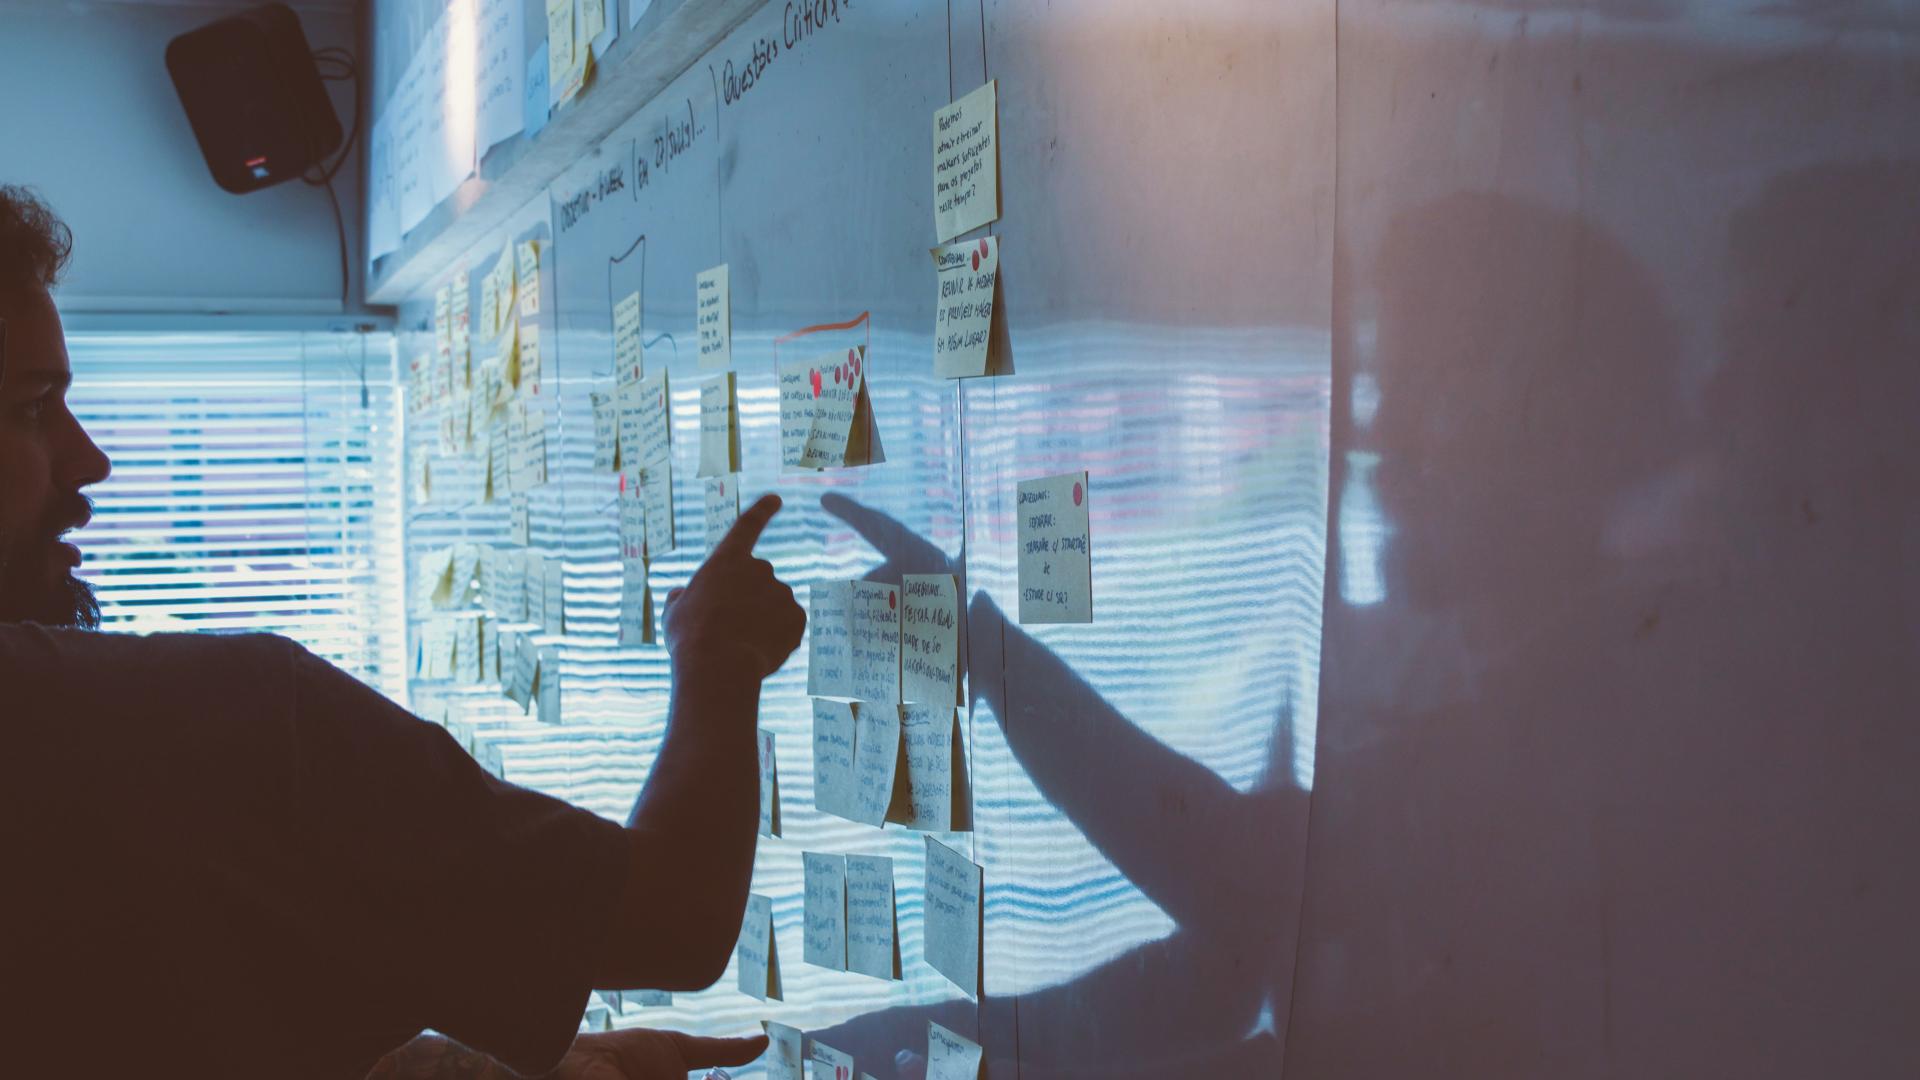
{"x":983,"y":248}
{"x":890,"y":601}
{"x":1077,"y":494}
{"x":976,"y":260}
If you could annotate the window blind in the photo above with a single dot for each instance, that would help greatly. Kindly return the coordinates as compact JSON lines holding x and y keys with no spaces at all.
{"x":255,"y":488}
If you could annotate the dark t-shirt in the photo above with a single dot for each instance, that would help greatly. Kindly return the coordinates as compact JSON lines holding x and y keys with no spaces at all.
{"x":222,"y":857}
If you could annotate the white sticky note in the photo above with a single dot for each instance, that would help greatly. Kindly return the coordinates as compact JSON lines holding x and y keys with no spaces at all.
{"x":823,"y":423}
{"x":953,"y":916}
{"x":469,"y":648}
{"x":629,"y":362}
{"x":560,"y":48}
{"x":633,"y":522}
{"x":719,"y":427}
{"x":722,"y":507}
{"x":873,"y":945}
{"x":769,"y":786}
{"x":834,"y":732}
{"x":531,"y":363}
{"x":547,"y":686}
{"x":526,"y":670}
{"x":530,"y":464}
{"x":967,"y":275}
{"x":713,"y":316}
{"x":656,"y":494}
{"x":758,"y":973}
{"x":830,"y":638}
{"x":826,"y":910}
{"x":830,"y":1064}
{"x":529,"y":265}
{"x":930,"y":639}
{"x":556,"y":596}
{"x":636,"y":603}
{"x":536,"y":588}
{"x":606,"y":433}
{"x":646,"y":435}
{"x":966,"y":164}
{"x":931,"y":794}
{"x":951,"y":1056}
{"x":1054,"y":556}
{"x":876,"y":642}
{"x":876,"y":753}
{"x":520,"y":520}
{"x":785,"y":1046}
{"x":593,"y":21}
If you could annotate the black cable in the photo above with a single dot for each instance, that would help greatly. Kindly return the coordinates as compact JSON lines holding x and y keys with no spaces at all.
{"x":321,"y":175}
{"x":340,"y":230}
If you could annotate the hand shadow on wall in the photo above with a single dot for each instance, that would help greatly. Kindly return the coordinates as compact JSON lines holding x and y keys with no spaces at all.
{"x":1221,"y":863}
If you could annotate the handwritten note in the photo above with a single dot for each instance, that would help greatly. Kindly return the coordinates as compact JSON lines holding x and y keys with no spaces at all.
{"x":966,"y":163}
{"x":713,"y":314}
{"x":876,"y":642}
{"x":606,"y":433}
{"x":469,"y":648}
{"x":722,"y":506}
{"x":951,"y":1056}
{"x":499,"y":80}
{"x":719,"y":427}
{"x":785,"y":1059}
{"x":629,"y":360}
{"x":547,"y":686}
{"x":593,"y":21}
{"x":655,"y":484}
{"x":529,"y":278}
{"x":530,"y":364}
{"x":560,"y":46}
{"x":830,"y":638}
{"x":645,"y":433}
{"x":526,"y":671}
{"x":437,"y":647}
{"x":1054,"y":558}
{"x":759,"y":969}
{"x":932,"y":794}
{"x":556,"y":596}
{"x":953,"y":916}
{"x":967,"y":274}
{"x":834,"y":732}
{"x":769,"y":786}
{"x":826,"y":910}
{"x":821,"y":417}
{"x":873,"y":946}
{"x":527,"y":432}
{"x":930,"y":639}
{"x":876,"y":753}
{"x":830,"y":1064}
{"x":636,"y":603}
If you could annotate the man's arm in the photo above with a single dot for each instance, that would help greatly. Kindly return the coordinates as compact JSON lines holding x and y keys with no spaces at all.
{"x":693,"y":829}
{"x":432,"y":1056}
{"x":633,"y":1054}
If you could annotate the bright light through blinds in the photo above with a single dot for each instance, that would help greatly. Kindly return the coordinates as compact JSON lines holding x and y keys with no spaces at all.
{"x":255,"y":488}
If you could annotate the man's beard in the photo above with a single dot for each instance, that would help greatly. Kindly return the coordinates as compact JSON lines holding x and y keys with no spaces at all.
{"x":30,"y":591}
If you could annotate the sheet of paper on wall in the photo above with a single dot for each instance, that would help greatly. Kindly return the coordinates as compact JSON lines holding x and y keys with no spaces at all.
{"x":834,"y":731}
{"x":606,"y":432}
{"x":931,"y":792}
{"x":560,"y":47}
{"x":876,"y":642}
{"x":461,"y":330}
{"x":469,"y":648}
{"x":547,"y":686}
{"x":784,"y":1051}
{"x":633,"y":523}
{"x":950,"y":1055}
{"x":968,"y":278}
{"x":722,"y":507}
{"x":636,"y":603}
{"x":536,"y":577}
{"x":655,"y":487}
{"x":828,"y":1063}
{"x":562,"y":89}
{"x":824,"y":415}
{"x":593,"y":22}
{"x":758,"y":971}
{"x":769,"y":786}
{"x":646,"y":435}
{"x":719,"y":426}
{"x":530,"y":363}
{"x":830,"y":639}
{"x":555,"y":593}
{"x":520,"y":520}
{"x":713,"y":317}
{"x":504,"y":273}
{"x":876,"y":752}
{"x":489,"y":308}
{"x":953,"y":916}
{"x":1055,"y":565}
{"x":436,"y":649}
{"x":529,"y":279}
{"x":629,"y":357}
{"x":498,"y":79}
{"x":966,"y":163}
{"x":826,"y":910}
{"x":526,"y":671}
{"x":873,"y":941}
{"x":930,"y":639}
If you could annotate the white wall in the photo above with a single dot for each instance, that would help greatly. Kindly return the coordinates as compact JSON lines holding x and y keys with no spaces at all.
{"x":93,"y":123}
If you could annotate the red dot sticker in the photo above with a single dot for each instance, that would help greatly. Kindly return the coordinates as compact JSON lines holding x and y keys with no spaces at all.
{"x":891,"y":599}
{"x":852,"y":355}
{"x":983,"y":248}
{"x":623,"y":483}
{"x":1077,"y":493}
{"x":816,"y":382}
{"x":836,"y":376}
{"x":976,"y":260}
{"x":856,"y":365}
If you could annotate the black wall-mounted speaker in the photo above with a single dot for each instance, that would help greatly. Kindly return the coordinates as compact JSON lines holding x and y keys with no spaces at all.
{"x":254,"y":98}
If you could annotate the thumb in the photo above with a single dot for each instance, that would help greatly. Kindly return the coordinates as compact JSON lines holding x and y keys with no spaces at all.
{"x":700,"y":1051}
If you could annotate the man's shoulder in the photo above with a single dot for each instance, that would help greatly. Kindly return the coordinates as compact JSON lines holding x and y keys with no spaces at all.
{"x":62,"y":664}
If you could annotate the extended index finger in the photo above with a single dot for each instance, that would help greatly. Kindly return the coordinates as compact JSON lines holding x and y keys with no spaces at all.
{"x":746,"y":531}
{"x":701,"y":1051}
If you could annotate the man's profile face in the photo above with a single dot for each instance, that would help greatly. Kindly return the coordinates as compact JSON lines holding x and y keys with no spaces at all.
{"x":45,"y":459}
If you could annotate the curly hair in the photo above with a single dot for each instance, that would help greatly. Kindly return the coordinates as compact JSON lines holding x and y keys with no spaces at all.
{"x":34,"y":243}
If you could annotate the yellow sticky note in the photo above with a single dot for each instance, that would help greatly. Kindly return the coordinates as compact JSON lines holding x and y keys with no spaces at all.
{"x":593,"y":21}
{"x":719,"y":427}
{"x":1055,"y":566}
{"x":873,"y":943}
{"x":821,"y":411}
{"x":560,"y":46}
{"x":966,"y":164}
{"x":713,"y":316}
{"x":826,"y":910}
{"x":967,"y":275}
{"x":930,"y":790}
{"x":929,"y":639}
{"x":953,"y":916}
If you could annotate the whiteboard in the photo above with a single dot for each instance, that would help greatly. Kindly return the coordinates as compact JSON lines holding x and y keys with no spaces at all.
{"x":1140,"y":783}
